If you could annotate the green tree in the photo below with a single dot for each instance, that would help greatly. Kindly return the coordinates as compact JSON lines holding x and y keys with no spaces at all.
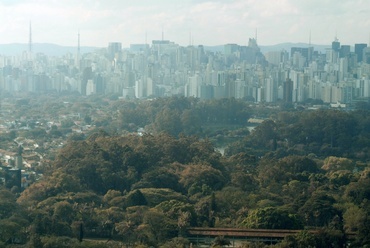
{"x":8,"y":204}
{"x":191,"y":122}
{"x":272,"y":218}
{"x":63,"y":212}
{"x":159,"y":178}
{"x":10,"y":231}
{"x":160,"y":226}
{"x":265,"y":135}
{"x":35,"y":241}
{"x":177,"y":242}
{"x":136,"y":198}
{"x":87,"y":119}
{"x":220,"y":241}
{"x":319,"y":210}
{"x":303,"y":239}
{"x":168,"y":121}
{"x":358,"y":192}
{"x":336,"y":163}
{"x":202,"y":175}
{"x":67,"y":123}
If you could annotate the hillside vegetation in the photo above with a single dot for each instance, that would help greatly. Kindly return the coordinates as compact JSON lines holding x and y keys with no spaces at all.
{"x":296,"y":170}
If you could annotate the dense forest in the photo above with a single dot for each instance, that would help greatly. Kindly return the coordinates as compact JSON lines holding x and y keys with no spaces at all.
{"x":299,"y":169}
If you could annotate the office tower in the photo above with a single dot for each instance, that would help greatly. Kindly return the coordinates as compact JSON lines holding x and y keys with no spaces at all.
{"x":335,"y":49}
{"x":344,"y":51}
{"x":366,"y":55}
{"x":305,"y":52}
{"x":114,"y":48}
{"x":252,"y":43}
{"x":359,"y":48}
{"x":335,"y":45}
{"x":90,"y":87}
{"x":230,"y":49}
{"x":343,"y":68}
{"x":352,"y":60}
{"x":331,"y":56}
{"x":298,"y":61}
{"x":275,"y":57}
{"x":191,"y":57}
{"x":302,"y":50}
{"x":288,"y":90}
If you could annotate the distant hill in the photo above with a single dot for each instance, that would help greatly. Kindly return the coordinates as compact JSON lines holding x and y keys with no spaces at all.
{"x":277,"y":47}
{"x":57,"y":50}
{"x":45,"y":48}
{"x":288,"y":46}
{"x":214,"y":49}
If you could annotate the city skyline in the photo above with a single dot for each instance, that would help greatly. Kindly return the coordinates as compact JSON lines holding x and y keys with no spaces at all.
{"x":186,"y":22}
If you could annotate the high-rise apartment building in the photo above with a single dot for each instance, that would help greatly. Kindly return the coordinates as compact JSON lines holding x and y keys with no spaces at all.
{"x":270,"y":90}
{"x":230,"y":49}
{"x":288,"y":90}
{"x":306,"y":52}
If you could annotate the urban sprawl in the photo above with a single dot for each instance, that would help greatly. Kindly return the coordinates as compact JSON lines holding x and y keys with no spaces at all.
{"x":338,"y":75}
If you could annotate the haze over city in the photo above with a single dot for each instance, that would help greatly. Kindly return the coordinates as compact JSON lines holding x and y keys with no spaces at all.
{"x":214,"y":22}
{"x":184,"y":123}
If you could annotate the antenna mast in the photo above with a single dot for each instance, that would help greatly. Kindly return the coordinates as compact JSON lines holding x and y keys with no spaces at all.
{"x":78,"y":42}
{"x":30,"y":40}
{"x":77,"y":61}
{"x":256,"y":36}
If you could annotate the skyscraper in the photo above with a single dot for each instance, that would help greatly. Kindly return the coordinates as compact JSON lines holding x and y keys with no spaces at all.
{"x":270,"y":90}
{"x":344,"y":51}
{"x":359,"y":48}
{"x":366,"y":55}
{"x":335,"y":45}
{"x":306,"y":52}
{"x":114,"y":48}
{"x":288,"y":90}
{"x":230,"y":49}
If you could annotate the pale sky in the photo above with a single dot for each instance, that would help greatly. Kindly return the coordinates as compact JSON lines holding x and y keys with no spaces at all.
{"x":208,"y":22}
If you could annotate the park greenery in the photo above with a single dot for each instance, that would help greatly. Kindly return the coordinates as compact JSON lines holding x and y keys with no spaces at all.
{"x":299,"y":169}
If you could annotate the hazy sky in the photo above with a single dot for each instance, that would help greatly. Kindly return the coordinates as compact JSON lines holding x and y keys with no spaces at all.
{"x":210,"y":22}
